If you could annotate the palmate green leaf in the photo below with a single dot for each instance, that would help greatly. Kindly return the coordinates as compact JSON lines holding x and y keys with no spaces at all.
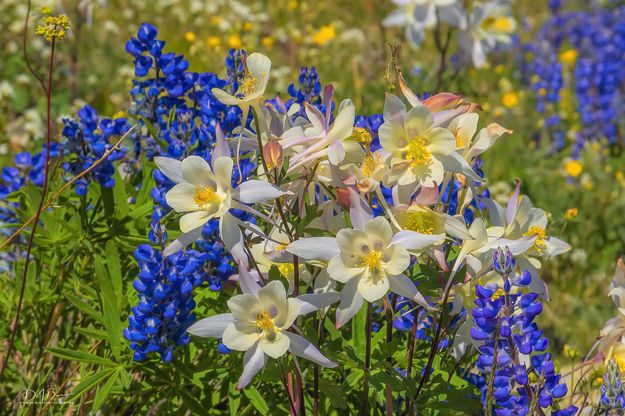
{"x":113,"y":264}
{"x":81,"y":356}
{"x":90,"y":382}
{"x":105,"y":390}
{"x":91,"y":332}
{"x":108,"y":299}
{"x":120,"y":195}
{"x":334,"y":392}
{"x":256,"y":399}
{"x":84,"y":307}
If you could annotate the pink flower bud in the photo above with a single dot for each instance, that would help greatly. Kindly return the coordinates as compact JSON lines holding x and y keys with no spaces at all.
{"x":273,"y":154}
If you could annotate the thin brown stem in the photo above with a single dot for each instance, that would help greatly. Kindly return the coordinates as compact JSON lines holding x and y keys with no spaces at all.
{"x":39,"y":209}
{"x":365,"y":387}
{"x":25,"y":51}
{"x":389,"y":338}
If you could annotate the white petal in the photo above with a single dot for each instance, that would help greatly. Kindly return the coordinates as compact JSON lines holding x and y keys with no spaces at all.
{"x":294,"y":310}
{"x":379,"y":231}
{"x":399,"y":261}
{"x":359,"y":210}
{"x":301,"y":347}
{"x":513,"y":204}
{"x":273,"y":299}
{"x":211,"y":327}
{"x":221,"y":148}
{"x":455,"y":163}
{"x":275,"y":347}
{"x":248,"y":281}
{"x":340,"y":272}
{"x":412,"y":240}
{"x":403,"y":286}
{"x":555,"y":246}
{"x":224,"y":97}
{"x":314,"y":248}
{"x":183,"y":240}
{"x":196,"y":170}
{"x":252,"y":191}
{"x":351,"y":302}
{"x":315,"y":301}
{"x":232,"y":237}
{"x":336,"y":153}
{"x":371,"y":290}
{"x":171,"y":168}
{"x":182,"y":197}
{"x":253,"y":361}
{"x":223,"y":171}
{"x":418,"y":120}
{"x":193,"y":220}
{"x":237,"y":340}
{"x":244,"y":307}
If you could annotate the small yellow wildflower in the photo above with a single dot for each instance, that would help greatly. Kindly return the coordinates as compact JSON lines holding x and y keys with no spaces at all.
{"x":570,"y":352}
{"x":542,"y":92}
{"x":573,"y":168}
{"x":53,"y":26}
{"x":292,"y":5}
{"x":119,"y":114}
{"x":215,"y":20}
{"x":45,"y":10}
{"x":499,"y":69}
{"x":213,"y":41}
{"x":248,"y":26}
{"x":324,"y":35}
{"x":234,"y":41}
{"x":568,"y":56}
{"x":569,"y":215}
{"x":510,"y":99}
{"x":190,"y":37}
{"x":267,"y":41}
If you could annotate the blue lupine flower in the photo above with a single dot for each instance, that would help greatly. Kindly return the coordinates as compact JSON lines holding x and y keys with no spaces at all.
{"x":85,"y":140}
{"x":504,"y":324}
{"x":165,"y":310}
{"x":27,"y":168}
{"x":308,"y":88}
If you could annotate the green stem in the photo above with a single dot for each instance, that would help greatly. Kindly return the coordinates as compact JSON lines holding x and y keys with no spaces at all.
{"x":365,"y":388}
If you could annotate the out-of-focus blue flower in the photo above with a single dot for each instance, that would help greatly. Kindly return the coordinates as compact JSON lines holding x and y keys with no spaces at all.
{"x":85,"y":140}
{"x":612,"y":393}
{"x":589,"y":44}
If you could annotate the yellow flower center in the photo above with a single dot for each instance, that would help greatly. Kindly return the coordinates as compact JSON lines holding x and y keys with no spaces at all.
{"x":362,"y":136}
{"x":421,"y":222}
{"x":205,"y":197}
{"x":373,"y":260}
{"x":459,"y":140}
{"x":285,"y":269}
{"x":500,"y":24}
{"x":369,"y":163}
{"x":540,"y":234}
{"x":418,"y":153}
{"x":266,"y":325}
{"x":280,"y":247}
{"x":248,"y":84}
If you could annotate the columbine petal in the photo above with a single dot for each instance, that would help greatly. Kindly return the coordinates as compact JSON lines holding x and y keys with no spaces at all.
{"x":315,"y":301}
{"x":252,"y":191}
{"x":197,"y":171}
{"x":172,"y":168}
{"x":253,"y":361}
{"x":275,"y":347}
{"x":223,"y":171}
{"x":314,"y":248}
{"x":359,"y":210}
{"x":379,"y":231}
{"x":418,"y":120}
{"x":182,"y":197}
{"x":273,"y":299}
{"x":232,"y":237}
{"x":301,"y":347}
{"x":412,"y":240}
{"x":211,"y":327}
{"x":403,"y":286}
{"x":237,"y":340}
{"x":351,"y":302}
{"x":193,"y":220}
{"x":244,"y":307}
{"x":340,"y":272}
{"x":183,"y":240}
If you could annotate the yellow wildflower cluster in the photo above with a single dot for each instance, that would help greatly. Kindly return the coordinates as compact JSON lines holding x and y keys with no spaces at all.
{"x":324,"y":35}
{"x":53,"y":26}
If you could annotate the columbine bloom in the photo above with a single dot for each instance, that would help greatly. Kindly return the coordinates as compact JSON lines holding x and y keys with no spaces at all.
{"x":258,"y":324}
{"x":420,"y":151}
{"x":203,"y":192}
{"x":251,"y":86}
{"x":491,"y":24}
{"x":370,"y":260}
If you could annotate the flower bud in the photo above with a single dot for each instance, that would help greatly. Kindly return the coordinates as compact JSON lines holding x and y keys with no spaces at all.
{"x":273,"y":154}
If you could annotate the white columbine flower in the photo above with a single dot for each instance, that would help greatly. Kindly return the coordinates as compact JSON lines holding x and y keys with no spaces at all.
{"x":251,"y":87}
{"x":258,"y":324}
{"x":203,"y":192}
{"x":491,"y":24}
{"x":370,"y":260}
{"x":420,"y":151}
